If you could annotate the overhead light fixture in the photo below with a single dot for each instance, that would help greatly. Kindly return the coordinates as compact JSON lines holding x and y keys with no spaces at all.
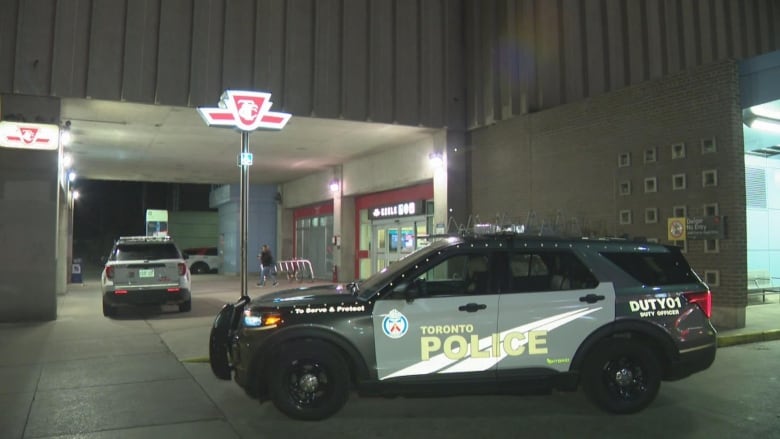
{"x":334,"y":186}
{"x":65,"y":137}
{"x":436,"y":159}
{"x":763,"y":123}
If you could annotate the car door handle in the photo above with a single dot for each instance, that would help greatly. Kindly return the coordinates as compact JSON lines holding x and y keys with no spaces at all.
{"x":591,"y":298}
{"x":472,"y":307}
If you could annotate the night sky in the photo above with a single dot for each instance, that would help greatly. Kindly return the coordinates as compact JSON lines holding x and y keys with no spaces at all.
{"x":106,"y":210}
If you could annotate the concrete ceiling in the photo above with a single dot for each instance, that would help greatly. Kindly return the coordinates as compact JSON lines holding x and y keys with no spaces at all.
{"x":138,"y":142}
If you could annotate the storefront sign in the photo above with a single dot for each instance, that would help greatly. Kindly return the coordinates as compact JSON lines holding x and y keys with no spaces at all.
{"x":407,"y":208}
{"x":707,"y":227}
{"x":29,"y":135}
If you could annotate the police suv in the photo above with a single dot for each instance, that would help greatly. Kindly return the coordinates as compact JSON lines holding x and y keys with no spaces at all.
{"x":490,"y":313}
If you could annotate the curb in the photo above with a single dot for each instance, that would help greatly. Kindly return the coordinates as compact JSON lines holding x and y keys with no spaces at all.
{"x":753,"y":337}
{"x":196,"y":360}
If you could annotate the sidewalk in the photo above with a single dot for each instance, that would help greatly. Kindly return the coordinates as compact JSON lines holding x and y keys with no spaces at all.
{"x":145,"y":374}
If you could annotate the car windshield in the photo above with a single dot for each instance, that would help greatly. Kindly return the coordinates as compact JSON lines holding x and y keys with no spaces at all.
{"x":376,"y":281}
{"x":134,"y":252}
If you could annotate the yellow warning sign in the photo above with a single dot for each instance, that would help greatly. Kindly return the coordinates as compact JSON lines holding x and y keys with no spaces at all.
{"x":676,"y":229}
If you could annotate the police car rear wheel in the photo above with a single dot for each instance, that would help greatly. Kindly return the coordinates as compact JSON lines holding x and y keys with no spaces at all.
{"x":309,"y":381}
{"x":621,"y":376}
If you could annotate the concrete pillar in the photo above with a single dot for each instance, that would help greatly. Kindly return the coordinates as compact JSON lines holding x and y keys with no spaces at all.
{"x":457,"y":180}
{"x":30,"y":206}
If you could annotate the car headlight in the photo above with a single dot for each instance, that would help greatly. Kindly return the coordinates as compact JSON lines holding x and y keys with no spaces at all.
{"x":258,"y":319}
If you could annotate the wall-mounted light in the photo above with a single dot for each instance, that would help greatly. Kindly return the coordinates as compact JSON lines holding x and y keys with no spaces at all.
{"x":71,"y":176}
{"x":76,"y":195}
{"x":333,"y":186}
{"x":65,"y":137}
{"x":762,"y":123}
{"x":436,"y":159}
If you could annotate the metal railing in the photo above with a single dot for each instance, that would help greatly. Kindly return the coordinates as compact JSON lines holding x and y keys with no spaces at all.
{"x":295,"y":270}
{"x":764,"y":285}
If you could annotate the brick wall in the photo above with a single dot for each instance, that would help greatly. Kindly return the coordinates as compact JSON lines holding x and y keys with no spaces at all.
{"x":562,"y":165}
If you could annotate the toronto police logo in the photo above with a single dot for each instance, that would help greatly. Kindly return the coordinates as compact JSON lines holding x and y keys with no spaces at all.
{"x":395,"y":324}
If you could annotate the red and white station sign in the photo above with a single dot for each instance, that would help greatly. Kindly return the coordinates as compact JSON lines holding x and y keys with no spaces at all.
{"x":29,"y":135}
{"x":245,"y":110}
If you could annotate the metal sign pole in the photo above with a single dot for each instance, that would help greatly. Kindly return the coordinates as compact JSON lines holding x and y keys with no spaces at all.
{"x":248,"y":111}
{"x":244,"y":205}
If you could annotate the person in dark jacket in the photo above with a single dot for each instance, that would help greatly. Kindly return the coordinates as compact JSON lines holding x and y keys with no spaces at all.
{"x":267,"y":269}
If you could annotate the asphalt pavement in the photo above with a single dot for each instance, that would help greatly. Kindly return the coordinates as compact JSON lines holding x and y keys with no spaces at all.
{"x":144,"y":373}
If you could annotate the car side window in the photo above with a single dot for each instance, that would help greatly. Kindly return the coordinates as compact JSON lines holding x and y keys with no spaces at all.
{"x":457,"y":275}
{"x":548,"y":271}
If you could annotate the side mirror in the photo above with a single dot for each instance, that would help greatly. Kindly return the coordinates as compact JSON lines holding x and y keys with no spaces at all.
{"x":415,"y":290}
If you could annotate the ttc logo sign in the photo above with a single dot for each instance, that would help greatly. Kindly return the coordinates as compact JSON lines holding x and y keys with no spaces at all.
{"x":245,"y":110}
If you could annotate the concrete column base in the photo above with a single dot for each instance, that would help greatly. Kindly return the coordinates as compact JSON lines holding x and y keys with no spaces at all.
{"x":728,"y":317}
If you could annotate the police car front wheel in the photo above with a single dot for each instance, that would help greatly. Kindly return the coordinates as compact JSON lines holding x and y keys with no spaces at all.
{"x":621,"y":376}
{"x":309,"y":380}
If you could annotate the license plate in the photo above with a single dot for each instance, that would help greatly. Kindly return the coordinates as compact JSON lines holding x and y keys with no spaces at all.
{"x":146,"y":272}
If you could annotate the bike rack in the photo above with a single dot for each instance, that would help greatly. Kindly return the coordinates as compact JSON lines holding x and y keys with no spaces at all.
{"x":295,"y":269}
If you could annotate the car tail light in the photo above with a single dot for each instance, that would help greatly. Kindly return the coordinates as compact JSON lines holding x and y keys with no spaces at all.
{"x":118,"y":292}
{"x":109,"y":272}
{"x":174,"y":290}
{"x":703,"y":299}
{"x":182,"y":269}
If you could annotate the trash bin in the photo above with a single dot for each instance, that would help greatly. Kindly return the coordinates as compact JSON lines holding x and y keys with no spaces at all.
{"x":75,"y":271}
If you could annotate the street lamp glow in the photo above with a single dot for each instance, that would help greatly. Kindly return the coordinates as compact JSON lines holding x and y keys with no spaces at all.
{"x":67,"y":161}
{"x":76,"y":195}
{"x":71,"y":176}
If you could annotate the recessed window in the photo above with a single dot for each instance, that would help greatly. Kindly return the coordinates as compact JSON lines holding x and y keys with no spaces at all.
{"x":624,"y":159}
{"x":650,"y":155}
{"x":651,"y":215}
{"x":678,"y":182}
{"x":712,"y":278}
{"x":625,"y":217}
{"x":709,"y":178}
{"x":625,"y":188}
{"x":651,"y":184}
{"x":679,"y":211}
{"x":711,"y":209}
{"x":708,"y":146}
{"x":711,"y":246}
{"x":678,"y":151}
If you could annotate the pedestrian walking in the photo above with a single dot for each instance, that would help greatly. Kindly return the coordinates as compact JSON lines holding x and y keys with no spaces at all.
{"x":267,"y":269}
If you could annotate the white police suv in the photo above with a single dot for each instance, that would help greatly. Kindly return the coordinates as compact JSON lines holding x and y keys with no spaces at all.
{"x":491,"y":313}
{"x":145,"y":270}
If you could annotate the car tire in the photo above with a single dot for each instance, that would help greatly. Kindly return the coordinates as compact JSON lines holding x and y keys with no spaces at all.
{"x":108,"y":310}
{"x":309,"y":380}
{"x":186,"y":306}
{"x":621,"y":376}
{"x":199,"y":268}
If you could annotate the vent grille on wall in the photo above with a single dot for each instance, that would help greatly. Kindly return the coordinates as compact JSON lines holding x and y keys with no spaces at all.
{"x":755,"y":185}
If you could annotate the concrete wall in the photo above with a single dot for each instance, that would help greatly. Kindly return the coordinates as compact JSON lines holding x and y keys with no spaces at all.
{"x":524,"y":56}
{"x":382,"y":61}
{"x":563,"y":163}
{"x":33,"y":250}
